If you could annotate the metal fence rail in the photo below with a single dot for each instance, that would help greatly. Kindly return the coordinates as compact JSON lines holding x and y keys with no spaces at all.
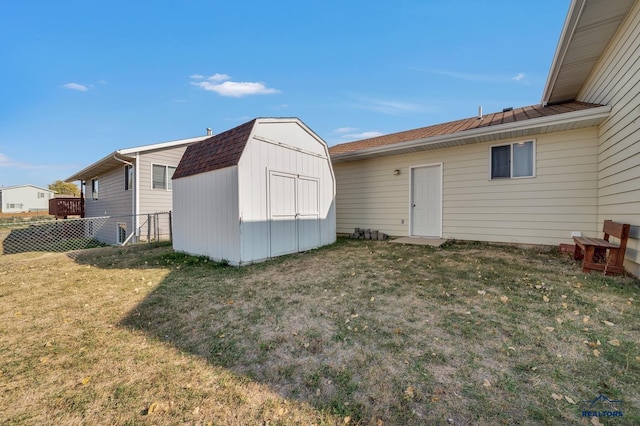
{"x":77,"y":234}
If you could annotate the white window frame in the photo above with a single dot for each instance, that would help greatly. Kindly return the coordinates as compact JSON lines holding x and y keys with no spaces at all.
{"x":168,"y":184}
{"x":510,"y":145}
{"x":128,"y":177}
{"x":95,"y":182}
{"x":120,"y":226}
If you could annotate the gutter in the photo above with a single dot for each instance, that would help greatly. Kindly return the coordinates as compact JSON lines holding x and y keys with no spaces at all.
{"x":587,"y":114}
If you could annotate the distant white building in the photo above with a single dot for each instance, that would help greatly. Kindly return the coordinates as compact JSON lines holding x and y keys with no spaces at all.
{"x":24,"y":198}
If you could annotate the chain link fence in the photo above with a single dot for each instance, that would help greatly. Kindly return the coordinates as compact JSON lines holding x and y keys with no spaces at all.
{"x":77,"y":234}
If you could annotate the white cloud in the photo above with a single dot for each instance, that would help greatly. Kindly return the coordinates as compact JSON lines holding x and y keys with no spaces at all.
{"x":217,"y":77}
{"x":76,"y":86}
{"x":196,"y":76}
{"x":342,"y":130}
{"x":222,"y":85}
{"x":7,"y":162}
{"x":361,"y":135}
{"x":518,"y":77}
{"x":389,"y":107}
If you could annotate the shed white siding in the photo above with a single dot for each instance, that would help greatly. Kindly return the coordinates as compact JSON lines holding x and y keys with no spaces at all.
{"x":616,"y":82}
{"x":542,"y":210}
{"x":297,"y":154}
{"x":206,"y":219}
{"x":277,"y":199}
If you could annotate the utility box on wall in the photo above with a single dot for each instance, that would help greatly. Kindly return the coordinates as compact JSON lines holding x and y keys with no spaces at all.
{"x":260,"y":190}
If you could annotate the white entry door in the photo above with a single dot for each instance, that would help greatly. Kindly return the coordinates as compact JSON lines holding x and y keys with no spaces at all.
{"x":426,"y":199}
{"x":294,"y":213}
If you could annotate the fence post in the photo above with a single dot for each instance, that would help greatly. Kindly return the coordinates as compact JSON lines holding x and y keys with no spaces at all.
{"x":170,"y":229}
{"x":155,"y":227}
{"x":148,"y":229}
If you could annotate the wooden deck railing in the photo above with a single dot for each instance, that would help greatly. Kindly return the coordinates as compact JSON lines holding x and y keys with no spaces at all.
{"x":64,"y":207}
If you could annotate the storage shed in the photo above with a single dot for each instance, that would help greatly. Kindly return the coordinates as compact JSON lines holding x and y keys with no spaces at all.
{"x":260,"y":190}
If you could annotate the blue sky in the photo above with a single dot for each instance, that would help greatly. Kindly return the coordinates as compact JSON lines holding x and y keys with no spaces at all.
{"x":80,"y":79}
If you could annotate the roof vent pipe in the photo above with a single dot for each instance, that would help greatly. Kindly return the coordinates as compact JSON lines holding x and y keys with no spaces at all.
{"x":480,"y":112}
{"x":209,"y":133}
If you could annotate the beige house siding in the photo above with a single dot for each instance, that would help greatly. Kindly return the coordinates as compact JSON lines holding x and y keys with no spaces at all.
{"x":616,"y":82}
{"x":540,"y":210}
{"x":156,"y":200}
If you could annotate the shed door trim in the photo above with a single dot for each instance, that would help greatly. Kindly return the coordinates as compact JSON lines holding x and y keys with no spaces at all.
{"x":294,"y":212}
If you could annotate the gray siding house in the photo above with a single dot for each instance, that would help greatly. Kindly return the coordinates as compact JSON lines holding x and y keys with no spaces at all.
{"x":128,"y":184}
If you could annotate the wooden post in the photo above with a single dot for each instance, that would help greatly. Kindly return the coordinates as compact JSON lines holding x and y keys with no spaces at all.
{"x":170,"y":228}
{"x":148,"y":229}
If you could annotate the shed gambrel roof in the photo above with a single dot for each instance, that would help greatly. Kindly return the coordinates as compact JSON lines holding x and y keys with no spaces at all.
{"x":516,"y":121}
{"x":217,"y":152}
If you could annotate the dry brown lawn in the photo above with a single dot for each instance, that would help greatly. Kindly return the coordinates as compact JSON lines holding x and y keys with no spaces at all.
{"x":356,"y":333}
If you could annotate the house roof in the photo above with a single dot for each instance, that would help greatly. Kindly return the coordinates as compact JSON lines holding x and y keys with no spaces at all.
{"x":517,"y":122}
{"x":216,"y":152}
{"x":588,"y":29}
{"x":2,"y":188}
{"x":121,"y":156}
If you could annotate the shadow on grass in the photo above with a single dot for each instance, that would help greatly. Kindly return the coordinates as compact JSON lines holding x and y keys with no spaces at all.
{"x":363,"y":330}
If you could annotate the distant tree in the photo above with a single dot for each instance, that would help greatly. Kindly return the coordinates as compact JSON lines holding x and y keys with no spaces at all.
{"x":66,"y":188}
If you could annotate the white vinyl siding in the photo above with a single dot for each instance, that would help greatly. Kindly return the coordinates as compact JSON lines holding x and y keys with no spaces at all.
{"x":544,"y":210}
{"x":615,"y":81}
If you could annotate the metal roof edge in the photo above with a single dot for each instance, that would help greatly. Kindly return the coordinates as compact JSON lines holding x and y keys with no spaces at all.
{"x":568,"y":30}
{"x":574,"y":116}
{"x":2,"y":188}
{"x":161,"y":145}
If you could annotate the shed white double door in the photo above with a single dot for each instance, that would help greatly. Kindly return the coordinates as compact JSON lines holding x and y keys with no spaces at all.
{"x":293,"y":213}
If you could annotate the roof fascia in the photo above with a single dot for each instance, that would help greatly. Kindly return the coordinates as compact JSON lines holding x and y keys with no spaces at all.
{"x":128,"y":154}
{"x":569,"y":117}
{"x":570,"y":25}
{"x":162,"y":145}
{"x":105,"y":160}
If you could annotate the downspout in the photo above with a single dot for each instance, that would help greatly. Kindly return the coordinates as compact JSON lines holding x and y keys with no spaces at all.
{"x":134,"y":205}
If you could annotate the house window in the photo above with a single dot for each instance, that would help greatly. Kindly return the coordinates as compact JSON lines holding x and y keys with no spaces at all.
{"x":94,"y":189}
{"x":122,"y":232}
{"x":128,"y":177}
{"x":162,"y":177}
{"x":514,"y":160}
{"x":40,"y":194}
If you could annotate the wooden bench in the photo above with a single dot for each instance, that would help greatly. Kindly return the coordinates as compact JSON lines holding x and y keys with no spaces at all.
{"x":600,"y":254}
